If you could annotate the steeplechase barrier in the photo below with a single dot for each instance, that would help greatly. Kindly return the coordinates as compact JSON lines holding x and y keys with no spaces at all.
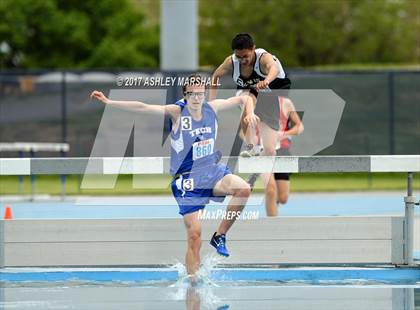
{"x":147,"y":242}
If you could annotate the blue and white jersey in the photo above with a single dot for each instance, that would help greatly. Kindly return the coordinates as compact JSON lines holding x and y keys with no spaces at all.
{"x":193,"y":143}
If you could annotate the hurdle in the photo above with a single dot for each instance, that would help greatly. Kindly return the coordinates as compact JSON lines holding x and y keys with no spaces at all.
{"x":353,"y":240}
{"x":32,"y":148}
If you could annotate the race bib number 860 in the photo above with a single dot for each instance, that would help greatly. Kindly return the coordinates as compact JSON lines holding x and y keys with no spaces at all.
{"x":203,"y":148}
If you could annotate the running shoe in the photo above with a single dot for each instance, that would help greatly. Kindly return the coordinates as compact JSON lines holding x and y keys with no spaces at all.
{"x":251,"y":150}
{"x":219,"y":243}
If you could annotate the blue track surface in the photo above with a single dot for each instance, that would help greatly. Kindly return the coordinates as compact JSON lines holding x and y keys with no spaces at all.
{"x":313,"y":204}
{"x":389,"y":275}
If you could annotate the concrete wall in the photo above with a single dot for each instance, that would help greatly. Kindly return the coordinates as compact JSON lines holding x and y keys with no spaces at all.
{"x":131,"y":242}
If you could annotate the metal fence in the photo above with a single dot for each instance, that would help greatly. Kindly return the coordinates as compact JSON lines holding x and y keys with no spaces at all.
{"x":381,"y":115}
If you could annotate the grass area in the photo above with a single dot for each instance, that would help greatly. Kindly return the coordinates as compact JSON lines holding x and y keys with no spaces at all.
{"x":159,"y":184}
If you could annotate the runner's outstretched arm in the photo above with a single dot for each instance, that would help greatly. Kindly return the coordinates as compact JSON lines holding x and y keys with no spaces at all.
{"x":138,"y":106}
{"x":224,"y":68}
{"x":250,"y":118}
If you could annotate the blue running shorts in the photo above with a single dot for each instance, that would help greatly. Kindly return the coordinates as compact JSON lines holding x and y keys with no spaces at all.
{"x":194,"y":190}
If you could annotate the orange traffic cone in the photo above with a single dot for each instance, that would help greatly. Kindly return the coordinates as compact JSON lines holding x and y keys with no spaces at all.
{"x":8,"y":213}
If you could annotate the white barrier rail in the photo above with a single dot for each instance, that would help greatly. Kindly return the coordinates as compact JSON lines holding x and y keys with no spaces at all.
{"x":126,"y":242}
{"x":32,"y":148}
{"x":158,"y":165}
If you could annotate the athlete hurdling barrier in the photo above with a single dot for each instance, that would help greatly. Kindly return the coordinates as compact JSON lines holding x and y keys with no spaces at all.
{"x":256,"y":74}
{"x":198,"y":175}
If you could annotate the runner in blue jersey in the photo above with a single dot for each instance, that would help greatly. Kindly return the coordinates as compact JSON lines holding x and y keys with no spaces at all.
{"x":198,"y":175}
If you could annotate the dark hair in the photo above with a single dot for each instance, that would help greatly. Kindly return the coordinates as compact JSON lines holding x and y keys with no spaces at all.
{"x":193,"y":80}
{"x":242,"y":41}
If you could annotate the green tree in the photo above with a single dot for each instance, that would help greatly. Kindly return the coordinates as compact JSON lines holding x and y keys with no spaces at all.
{"x":76,"y":34}
{"x":307,"y":33}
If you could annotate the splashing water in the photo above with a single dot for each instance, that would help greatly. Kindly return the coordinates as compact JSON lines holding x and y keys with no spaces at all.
{"x":208,"y":264}
{"x":201,"y":277}
{"x":197,"y":288}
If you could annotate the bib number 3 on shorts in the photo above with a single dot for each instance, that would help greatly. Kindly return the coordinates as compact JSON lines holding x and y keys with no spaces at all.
{"x":203,"y":148}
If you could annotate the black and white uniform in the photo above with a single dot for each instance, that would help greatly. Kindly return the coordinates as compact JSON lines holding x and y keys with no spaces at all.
{"x":268,"y":109}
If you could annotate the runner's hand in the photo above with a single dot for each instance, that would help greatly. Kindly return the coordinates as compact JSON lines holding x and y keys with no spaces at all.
{"x":282,"y":135}
{"x":251,"y":119}
{"x":261,"y":85}
{"x":100,"y":96}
